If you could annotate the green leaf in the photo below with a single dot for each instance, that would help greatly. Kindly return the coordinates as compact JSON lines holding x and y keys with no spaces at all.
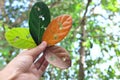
{"x":117,"y":52}
{"x":20,"y":38}
{"x":38,"y":21}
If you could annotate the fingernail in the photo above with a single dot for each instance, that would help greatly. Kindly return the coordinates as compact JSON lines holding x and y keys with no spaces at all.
{"x":43,"y":43}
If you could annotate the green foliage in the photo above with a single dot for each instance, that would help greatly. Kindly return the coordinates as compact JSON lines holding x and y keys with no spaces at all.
{"x":38,"y":20}
{"x":18,"y":36}
{"x":117,"y":52}
{"x":111,"y":5}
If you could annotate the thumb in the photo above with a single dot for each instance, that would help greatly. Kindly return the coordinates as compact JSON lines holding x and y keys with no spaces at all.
{"x":37,"y":50}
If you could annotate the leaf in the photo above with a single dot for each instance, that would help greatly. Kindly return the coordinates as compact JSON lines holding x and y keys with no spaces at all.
{"x":38,"y":21}
{"x":58,"y":57}
{"x":20,"y":38}
{"x":117,"y":51}
{"x":57,"y":29}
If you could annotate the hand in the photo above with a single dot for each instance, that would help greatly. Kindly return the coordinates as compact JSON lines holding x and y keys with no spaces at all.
{"x":22,"y":67}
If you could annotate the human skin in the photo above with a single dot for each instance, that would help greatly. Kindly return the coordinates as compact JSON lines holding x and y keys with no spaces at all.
{"x":23,"y":67}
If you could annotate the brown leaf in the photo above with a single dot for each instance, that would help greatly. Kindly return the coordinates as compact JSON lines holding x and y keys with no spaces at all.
{"x":57,"y":29}
{"x":58,"y":57}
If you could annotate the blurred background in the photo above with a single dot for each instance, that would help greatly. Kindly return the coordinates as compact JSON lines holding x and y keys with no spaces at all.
{"x":93,"y":42}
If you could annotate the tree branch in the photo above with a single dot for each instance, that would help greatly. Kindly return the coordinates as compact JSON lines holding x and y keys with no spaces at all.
{"x":1,"y":6}
{"x":82,"y":49}
{"x":54,"y":3}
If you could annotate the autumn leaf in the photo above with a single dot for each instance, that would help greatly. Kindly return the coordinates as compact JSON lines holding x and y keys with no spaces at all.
{"x":57,"y":29}
{"x":58,"y":57}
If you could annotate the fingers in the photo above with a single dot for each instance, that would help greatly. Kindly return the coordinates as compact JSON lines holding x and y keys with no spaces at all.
{"x":37,"y":50}
{"x":43,"y":67}
{"x":39,"y":62}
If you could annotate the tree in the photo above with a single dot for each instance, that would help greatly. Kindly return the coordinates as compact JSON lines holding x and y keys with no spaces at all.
{"x":93,"y":42}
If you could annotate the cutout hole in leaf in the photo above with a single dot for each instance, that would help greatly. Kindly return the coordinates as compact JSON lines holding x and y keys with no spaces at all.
{"x":38,"y":9}
{"x":41,"y":17}
{"x":64,"y":58}
{"x":52,"y":58}
{"x":55,"y":36}
{"x":60,"y":26}
{"x":16,"y":38}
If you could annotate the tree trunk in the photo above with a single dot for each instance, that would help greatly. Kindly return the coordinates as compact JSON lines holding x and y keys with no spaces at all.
{"x":82,"y":54}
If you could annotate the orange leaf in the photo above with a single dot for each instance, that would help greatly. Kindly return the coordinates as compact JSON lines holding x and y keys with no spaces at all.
{"x":57,"y":29}
{"x":58,"y":57}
